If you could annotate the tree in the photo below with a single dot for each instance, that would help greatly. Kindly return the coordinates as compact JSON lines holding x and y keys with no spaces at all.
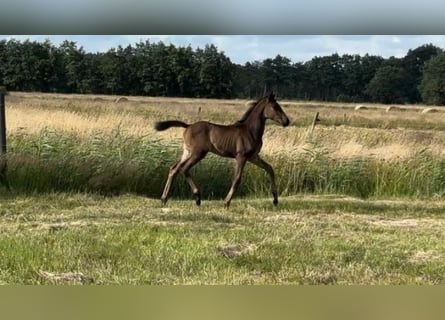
{"x":164,"y":80}
{"x":184,"y":68}
{"x":37,"y":62}
{"x":325,"y":77}
{"x":16,"y":72}
{"x":73,"y":67}
{"x":414,"y":62}
{"x":298,"y":79}
{"x":166,"y":70}
{"x":116,"y":70}
{"x":3,"y":59}
{"x":357,"y":73}
{"x":432,"y":85}
{"x":277,"y":75}
{"x":215,"y":73}
{"x":128,"y":71}
{"x":143,"y":64}
{"x":248,"y":80}
{"x":93,"y":80}
{"x":388,"y":84}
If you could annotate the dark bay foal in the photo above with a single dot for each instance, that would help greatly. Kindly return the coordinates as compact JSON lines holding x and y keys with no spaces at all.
{"x":242,"y":141}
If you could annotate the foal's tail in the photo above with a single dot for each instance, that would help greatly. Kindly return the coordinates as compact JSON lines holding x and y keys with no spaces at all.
{"x":164,"y":125}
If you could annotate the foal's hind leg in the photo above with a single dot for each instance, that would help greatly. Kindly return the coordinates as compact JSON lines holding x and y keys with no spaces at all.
{"x":188,"y":160}
{"x":268,"y":168}
{"x":194,"y":159}
{"x":174,"y":170}
{"x":171,"y":175}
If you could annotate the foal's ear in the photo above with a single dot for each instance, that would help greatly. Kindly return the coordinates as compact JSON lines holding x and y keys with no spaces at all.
{"x":271,"y":96}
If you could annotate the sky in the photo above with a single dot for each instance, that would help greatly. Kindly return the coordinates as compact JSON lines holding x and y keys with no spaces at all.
{"x":248,"y":48}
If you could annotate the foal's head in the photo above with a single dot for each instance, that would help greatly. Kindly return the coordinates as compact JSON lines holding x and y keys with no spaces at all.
{"x":273,"y":111}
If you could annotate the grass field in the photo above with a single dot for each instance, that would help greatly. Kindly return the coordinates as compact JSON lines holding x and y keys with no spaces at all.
{"x":362,"y":196}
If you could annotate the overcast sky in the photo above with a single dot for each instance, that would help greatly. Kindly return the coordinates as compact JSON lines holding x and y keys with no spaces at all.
{"x":244,"y":48}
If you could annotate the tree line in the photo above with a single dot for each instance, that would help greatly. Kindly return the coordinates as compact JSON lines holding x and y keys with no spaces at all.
{"x":157,"y":69}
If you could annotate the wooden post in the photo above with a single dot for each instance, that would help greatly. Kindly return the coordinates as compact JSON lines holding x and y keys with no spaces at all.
{"x":3,"y":164}
{"x":314,"y":122}
{"x":2,"y":124}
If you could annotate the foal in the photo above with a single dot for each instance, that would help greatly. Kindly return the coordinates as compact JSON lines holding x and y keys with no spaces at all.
{"x":242,"y":141}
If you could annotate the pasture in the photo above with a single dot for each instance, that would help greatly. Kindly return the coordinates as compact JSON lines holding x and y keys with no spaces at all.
{"x":361,"y":197}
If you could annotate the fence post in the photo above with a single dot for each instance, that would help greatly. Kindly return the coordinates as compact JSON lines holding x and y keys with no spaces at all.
{"x":2,"y":124}
{"x":314,"y":122}
{"x":3,"y":164}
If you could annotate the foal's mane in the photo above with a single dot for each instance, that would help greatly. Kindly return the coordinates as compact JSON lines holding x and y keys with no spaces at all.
{"x":249,"y":111}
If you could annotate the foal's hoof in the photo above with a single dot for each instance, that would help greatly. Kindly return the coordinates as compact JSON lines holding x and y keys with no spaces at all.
{"x":197,"y":197}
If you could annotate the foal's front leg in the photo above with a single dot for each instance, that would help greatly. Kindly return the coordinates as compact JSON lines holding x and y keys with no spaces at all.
{"x":268,"y":168}
{"x":239,"y":166}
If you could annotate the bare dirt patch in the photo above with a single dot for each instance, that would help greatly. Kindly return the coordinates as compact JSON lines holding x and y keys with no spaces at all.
{"x":66,"y":277}
{"x":425,"y":256}
{"x":408,"y":223}
{"x":353,"y":149}
{"x":234,"y":251}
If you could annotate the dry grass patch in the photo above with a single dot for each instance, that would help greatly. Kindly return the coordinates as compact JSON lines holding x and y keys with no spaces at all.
{"x":422,"y":257}
{"x":233,"y":251}
{"x":67,"y":277}
{"x":408,"y":223}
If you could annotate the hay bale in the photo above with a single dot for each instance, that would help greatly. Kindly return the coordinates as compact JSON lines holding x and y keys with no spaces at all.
{"x":392,"y":108}
{"x":97,"y":99}
{"x":121,"y":99}
{"x":430,"y":110}
{"x":360,"y":107}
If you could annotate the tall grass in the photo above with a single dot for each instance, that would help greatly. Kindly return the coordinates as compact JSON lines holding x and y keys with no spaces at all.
{"x":115,"y":162}
{"x":103,"y":162}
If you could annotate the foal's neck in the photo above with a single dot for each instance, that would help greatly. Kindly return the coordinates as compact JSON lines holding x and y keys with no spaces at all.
{"x":255,"y":122}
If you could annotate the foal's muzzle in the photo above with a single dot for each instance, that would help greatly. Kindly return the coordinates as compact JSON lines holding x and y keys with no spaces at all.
{"x":285,"y":121}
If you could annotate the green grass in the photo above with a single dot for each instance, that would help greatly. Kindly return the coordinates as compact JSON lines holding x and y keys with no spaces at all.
{"x":83,"y":203}
{"x":116,"y":163}
{"x":306,"y":240}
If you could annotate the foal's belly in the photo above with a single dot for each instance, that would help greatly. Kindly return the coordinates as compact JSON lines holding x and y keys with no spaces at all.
{"x":222,"y":152}
{"x":236,"y":149}
{"x":231,"y":142}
